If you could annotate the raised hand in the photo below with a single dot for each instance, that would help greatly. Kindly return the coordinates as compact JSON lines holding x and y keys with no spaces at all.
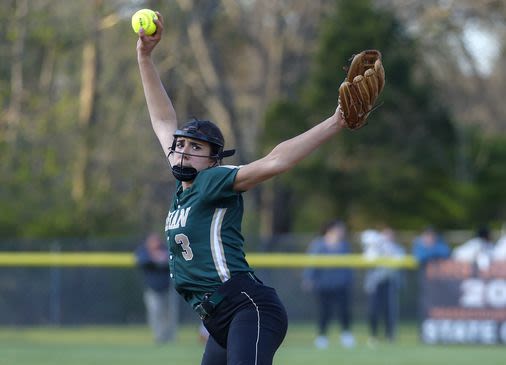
{"x":146,"y":43}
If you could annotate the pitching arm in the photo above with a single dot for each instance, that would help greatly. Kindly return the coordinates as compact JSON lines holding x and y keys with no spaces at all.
{"x":161,"y":111}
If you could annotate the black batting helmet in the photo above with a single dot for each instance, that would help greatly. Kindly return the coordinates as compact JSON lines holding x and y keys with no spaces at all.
{"x":207,"y":131}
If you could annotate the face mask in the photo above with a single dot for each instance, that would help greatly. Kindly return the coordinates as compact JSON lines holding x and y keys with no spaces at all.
{"x":183,"y":173}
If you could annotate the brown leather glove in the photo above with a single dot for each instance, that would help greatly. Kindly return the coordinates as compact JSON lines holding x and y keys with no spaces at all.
{"x":360,"y":90}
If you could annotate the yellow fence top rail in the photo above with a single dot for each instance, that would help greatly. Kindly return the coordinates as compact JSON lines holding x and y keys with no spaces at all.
{"x":98,"y":259}
{"x":256,"y":260}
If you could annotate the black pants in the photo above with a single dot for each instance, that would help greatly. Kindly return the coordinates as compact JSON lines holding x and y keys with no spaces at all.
{"x":328,"y":300}
{"x":247,"y":327}
{"x":383,"y":304}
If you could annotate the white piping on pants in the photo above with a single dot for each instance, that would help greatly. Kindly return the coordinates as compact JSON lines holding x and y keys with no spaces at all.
{"x":258,"y":326}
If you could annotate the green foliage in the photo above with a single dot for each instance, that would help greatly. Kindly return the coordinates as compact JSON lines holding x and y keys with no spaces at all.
{"x":406,"y":167}
{"x":38,"y":155}
{"x":400,"y":167}
{"x":283,"y":120}
{"x":487,"y":157}
{"x":351,"y":28}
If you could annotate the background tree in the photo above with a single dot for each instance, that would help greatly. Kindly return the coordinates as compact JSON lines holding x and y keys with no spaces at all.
{"x":78,"y":158}
{"x":379,"y":173}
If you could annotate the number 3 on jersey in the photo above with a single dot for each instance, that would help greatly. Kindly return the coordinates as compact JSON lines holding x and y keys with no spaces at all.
{"x":182,"y":239}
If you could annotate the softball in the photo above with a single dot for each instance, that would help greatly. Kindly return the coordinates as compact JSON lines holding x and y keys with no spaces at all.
{"x":144,"y":18}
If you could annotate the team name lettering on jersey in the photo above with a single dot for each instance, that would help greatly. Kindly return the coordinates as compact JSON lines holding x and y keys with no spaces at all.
{"x":177,"y":218}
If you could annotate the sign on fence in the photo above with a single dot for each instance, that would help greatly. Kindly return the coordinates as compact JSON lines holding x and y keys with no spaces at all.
{"x":462,"y":304}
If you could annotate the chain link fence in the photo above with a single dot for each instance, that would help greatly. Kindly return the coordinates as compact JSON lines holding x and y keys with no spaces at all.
{"x":102,"y":295}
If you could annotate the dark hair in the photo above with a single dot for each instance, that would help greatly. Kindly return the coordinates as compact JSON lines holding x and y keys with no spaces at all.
{"x":207,"y":131}
{"x":430,"y":229}
{"x":333,"y":223}
{"x":483,"y":232}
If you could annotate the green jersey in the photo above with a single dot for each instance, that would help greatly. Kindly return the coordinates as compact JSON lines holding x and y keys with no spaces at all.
{"x":203,"y":231}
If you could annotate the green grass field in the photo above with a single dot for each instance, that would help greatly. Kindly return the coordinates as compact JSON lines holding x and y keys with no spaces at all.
{"x":132,"y":345}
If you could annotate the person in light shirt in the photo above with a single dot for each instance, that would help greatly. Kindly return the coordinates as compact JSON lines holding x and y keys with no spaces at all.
{"x":479,"y":249}
{"x":381,"y":284}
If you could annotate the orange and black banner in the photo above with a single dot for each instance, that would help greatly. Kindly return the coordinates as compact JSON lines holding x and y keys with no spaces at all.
{"x":463,"y":304}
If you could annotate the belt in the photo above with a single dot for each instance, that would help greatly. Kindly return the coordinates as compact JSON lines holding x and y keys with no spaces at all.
{"x":211,"y":300}
{"x":208,"y":304}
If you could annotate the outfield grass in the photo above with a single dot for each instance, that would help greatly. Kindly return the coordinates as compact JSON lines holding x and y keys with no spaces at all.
{"x":131,"y":345}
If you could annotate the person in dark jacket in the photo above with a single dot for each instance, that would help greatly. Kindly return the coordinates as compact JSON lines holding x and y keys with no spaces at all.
{"x":153,"y":259}
{"x":332,"y":286}
{"x":430,"y":246}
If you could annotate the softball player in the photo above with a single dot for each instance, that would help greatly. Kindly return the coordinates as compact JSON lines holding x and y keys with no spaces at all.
{"x":246,"y":320}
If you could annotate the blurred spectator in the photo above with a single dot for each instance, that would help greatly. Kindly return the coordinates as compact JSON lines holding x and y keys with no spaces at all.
{"x":500,"y":246}
{"x":332,"y":286}
{"x":381,"y":284}
{"x":478,"y":249}
{"x":430,"y":246}
{"x":152,"y":258}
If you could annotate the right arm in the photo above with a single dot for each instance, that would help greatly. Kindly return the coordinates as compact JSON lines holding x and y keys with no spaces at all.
{"x":161,"y":111}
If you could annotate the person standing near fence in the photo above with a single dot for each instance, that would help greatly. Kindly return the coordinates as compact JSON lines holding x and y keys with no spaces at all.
{"x":332,"y":286}
{"x":153,"y":260}
{"x":381,"y":284}
{"x":499,"y":252}
{"x":245,"y":318}
{"x":430,"y":246}
{"x":479,"y":250}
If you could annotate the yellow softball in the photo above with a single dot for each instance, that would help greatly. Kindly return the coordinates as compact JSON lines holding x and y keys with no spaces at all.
{"x":144,"y":18}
